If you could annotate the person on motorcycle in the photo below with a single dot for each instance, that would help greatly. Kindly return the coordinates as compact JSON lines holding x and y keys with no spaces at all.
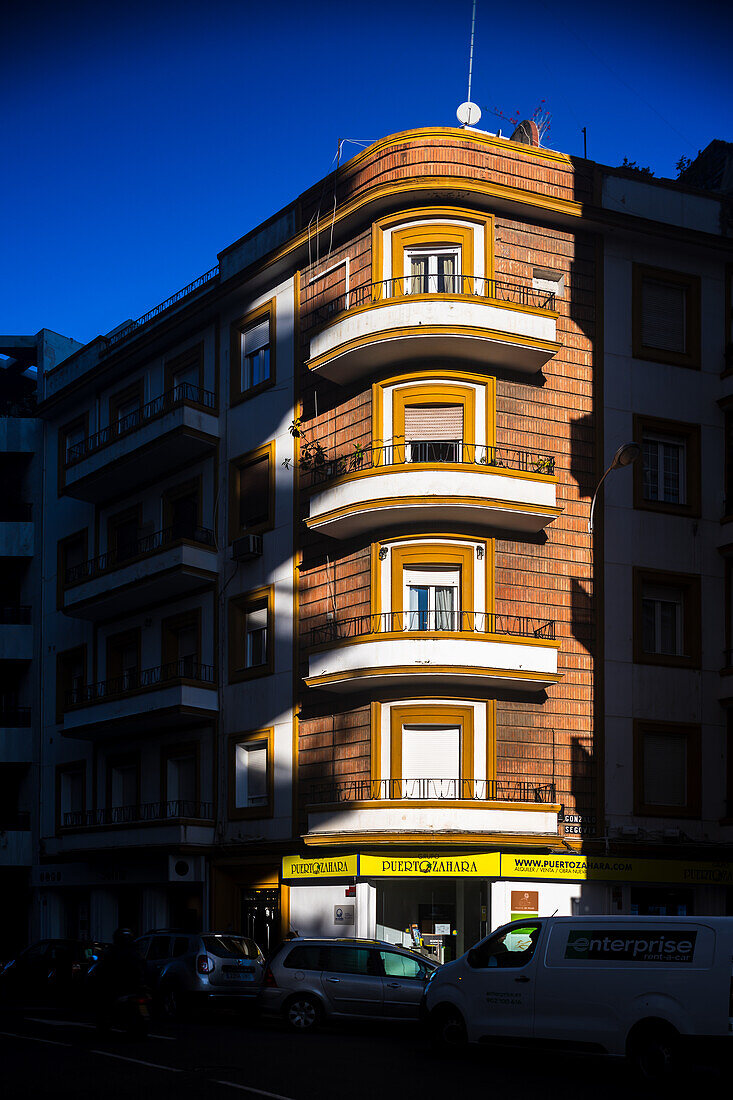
{"x":119,"y":973}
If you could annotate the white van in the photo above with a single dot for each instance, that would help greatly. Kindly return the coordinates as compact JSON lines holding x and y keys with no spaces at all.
{"x":636,"y":986}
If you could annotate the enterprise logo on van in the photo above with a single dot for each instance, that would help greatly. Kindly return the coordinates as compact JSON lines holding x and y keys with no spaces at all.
{"x":631,"y":946}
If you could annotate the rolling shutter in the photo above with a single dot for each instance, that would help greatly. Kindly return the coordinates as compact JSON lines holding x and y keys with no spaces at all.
{"x":256,"y":337}
{"x":432,"y":752}
{"x":665,"y":769}
{"x":434,"y":422}
{"x":663,"y":307}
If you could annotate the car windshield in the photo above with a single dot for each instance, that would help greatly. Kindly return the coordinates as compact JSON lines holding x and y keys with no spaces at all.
{"x":231,"y":947}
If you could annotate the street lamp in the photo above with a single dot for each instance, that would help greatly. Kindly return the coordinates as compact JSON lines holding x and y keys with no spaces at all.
{"x":625,"y":455}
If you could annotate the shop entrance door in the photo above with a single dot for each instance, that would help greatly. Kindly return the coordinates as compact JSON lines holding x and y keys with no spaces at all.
{"x":261,"y":917}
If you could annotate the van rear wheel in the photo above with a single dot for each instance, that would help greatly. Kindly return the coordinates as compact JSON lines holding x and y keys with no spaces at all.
{"x":654,"y":1051}
{"x":448,"y":1027}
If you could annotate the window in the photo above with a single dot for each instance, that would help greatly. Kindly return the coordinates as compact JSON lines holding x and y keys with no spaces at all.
{"x":432,"y":599}
{"x":401,"y":966}
{"x":123,"y":784}
{"x":181,"y":781}
{"x":123,"y":662}
{"x":350,"y":960}
{"x":251,"y":774}
{"x":433,"y":433}
{"x":182,"y":511}
{"x":250,"y":635}
{"x":252,"y":362}
{"x":70,"y":680}
{"x":252,"y":492}
{"x":432,"y":751}
{"x":125,"y":408}
{"x":304,"y":958}
{"x":432,"y":270}
{"x":72,"y":439}
{"x":72,"y":559}
{"x":160,"y":948}
{"x":667,"y":627}
{"x":668,"y":477}
{"x":70,"y":793}
{"x":666,"y":316}
{"x":123,"y":537}
{"x":184,"y":375}
{"x":506,"y":949}
{"x":667,"y":769}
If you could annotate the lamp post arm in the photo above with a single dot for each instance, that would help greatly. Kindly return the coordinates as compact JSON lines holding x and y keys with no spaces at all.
{"x":595,"y":497}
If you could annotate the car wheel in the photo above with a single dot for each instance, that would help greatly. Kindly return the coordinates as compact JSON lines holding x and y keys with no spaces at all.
{"x":654,"y":1052}
{"x":448,"y":1027}
{"x":303,"y":1013}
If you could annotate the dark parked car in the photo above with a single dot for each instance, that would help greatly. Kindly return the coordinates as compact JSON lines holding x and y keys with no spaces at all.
{"x":50,"y":971}
{"x":193,"y":969}
{"x":309,"y":980}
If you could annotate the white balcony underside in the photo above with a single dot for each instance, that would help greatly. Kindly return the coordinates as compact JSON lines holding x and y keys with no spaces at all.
{"x":169,"y":574}
{"x":416,"y":494}
{"x":463,"y":662}
{"x":16,"y":540}
{"x":16,"y":642}
{"x":435,"y":819}
{"x":180,"y":436}
{"x":175,"y":705}
{"x":407,"y":329}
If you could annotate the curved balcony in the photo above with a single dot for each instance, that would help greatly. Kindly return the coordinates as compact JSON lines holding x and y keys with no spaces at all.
{"x":470,"y":319}
{"x":175,"y":428}
{"x":431,"y":809}
{"x":175,"y":695}
{"x":398,"y":648}
{"x":167,"y":564}
{"x":486,"y":487}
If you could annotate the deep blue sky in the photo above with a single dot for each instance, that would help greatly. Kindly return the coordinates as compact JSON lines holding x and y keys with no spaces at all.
{"x":141,"y":138}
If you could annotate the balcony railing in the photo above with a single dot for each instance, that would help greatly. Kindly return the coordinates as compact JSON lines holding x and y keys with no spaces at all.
{"x":417,"y":622}
{"x":16,"y":511}
{"x":15,"y":616}
{"x":156,"y":311}
{"x":185,"y":392}
{"x":469,"y":285}
{"x":448,"y":790}
{"x":15,"y":717}
{"x":137,"y":548}
{"x":141,"y":812}
{"x":134,"y":680}
{"x":432,"y":452}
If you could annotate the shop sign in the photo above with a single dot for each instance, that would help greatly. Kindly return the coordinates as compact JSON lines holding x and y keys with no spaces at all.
{"x":485,"y":865}
{"x":599,"y":868}
{"x":330,"y":867}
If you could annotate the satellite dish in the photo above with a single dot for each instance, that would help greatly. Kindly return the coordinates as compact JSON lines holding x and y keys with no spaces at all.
{"x":469,"y":114}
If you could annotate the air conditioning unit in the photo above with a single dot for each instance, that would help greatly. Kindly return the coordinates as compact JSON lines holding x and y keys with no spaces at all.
{"x":186,"y":868}
{"x":247,"y":548}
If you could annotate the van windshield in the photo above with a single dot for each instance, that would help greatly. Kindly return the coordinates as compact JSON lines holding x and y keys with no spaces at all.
{"x":231,"y":947}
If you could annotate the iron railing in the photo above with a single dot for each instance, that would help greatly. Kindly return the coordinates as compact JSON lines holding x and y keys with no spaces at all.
{"x":18,"y":819}
{"x":15,"y":717}
{"x":16,"y":511}
{"x":133,"y":680}
{"x":128,"y":330}
{"x":183,"y":393}
{"x":137,"y":548}
{"x":472,"y":286}
{"x":432,"y":452}
{"x":416,"y":622}
{"x":138,"y":813}
{"x":15,"y":616}
{"x":448,"y":790}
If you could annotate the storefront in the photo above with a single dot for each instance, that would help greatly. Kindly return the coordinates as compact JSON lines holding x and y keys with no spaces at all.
{"x":447,"y":901}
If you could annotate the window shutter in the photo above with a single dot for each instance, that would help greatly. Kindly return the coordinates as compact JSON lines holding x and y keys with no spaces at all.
{"x":433,"y":422}
{"x":665,"y":769}
{"x":430,"y":753}
{"x":663,"y":307}
{"x":256,"y":337}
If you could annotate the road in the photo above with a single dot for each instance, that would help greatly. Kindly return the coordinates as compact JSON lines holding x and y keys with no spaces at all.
{"x":46,"y":1054}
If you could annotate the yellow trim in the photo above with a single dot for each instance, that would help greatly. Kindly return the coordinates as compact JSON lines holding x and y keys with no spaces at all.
{"x":422,"y":236}
{"x":403,"y":398}
{"x":440,"y":223}
{"x":416,"y":671}
{"x":551,"y":346}
{"x":416,"y":714}
{"x":432,"y":554}
{"x":465,"y":380}
{"x":435,"y":804}
{"x":488,"y":503}
{"x":376,"y":740}
{"x":523,"y":840}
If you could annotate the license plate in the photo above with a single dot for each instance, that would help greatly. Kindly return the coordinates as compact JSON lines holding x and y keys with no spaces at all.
{"x":239,"y":977}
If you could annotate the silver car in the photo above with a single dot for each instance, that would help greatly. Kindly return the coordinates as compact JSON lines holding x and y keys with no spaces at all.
{"x":307,"y":981}
{"x":185,"y":970}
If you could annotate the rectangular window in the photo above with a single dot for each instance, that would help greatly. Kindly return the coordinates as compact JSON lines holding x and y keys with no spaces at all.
{"x":432,"y":270}
{"x":663,"y":468}
{"x":123,"y":662}
{"x":123,"y":787}
{"x":667,"y":627}
{"x":70,"y":794}
{"x":252,"y":492}
{"x":72,"y":440}
{"x":125,"y":409}
{"x":252,"y":354}
{"x":70,"y":680}
{"x":184,"y":375}
{"x":182,"y":511}
{"x":667,"y":479}
{"x":431,"y":761}
{"x":432,"y":599}
{"x":250,"y":635}
{"x":667,"y":769}
{"x":72,"y":560}
{"x":181,"y":782}
{"x":251,"y":774}
{"x":433,"y":433}
{"x":666,"y":316}
{"x":123,"y":537}
{"x":181,"y":645}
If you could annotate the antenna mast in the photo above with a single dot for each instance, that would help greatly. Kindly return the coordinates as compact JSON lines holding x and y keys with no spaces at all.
{"x":470,"y":53}
{"x":470,"y":113}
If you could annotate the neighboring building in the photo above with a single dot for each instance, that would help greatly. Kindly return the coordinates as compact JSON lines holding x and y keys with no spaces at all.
{"x":326,"y":642}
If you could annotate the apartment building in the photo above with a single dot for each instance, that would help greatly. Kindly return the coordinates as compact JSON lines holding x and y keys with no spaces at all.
{"x":326,"y":643}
